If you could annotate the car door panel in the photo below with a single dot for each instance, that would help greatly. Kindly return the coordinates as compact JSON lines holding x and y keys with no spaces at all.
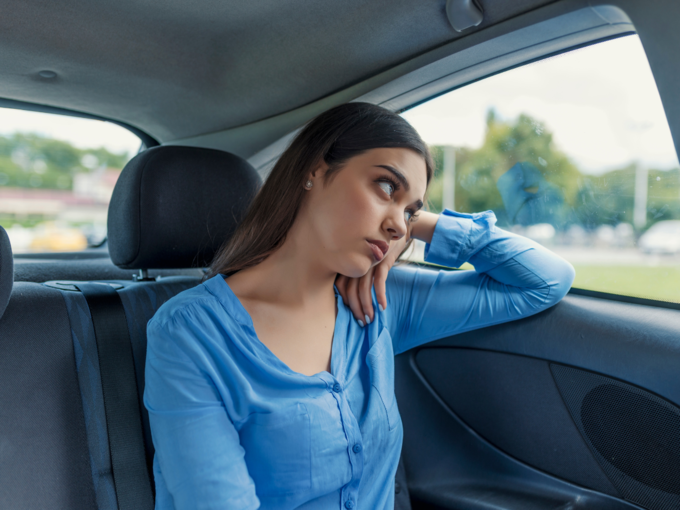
{"x":513,"y":402}
{"x":523,"y":414}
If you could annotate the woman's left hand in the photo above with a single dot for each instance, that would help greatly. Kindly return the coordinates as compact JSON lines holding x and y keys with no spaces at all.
{"x":356,"y":292}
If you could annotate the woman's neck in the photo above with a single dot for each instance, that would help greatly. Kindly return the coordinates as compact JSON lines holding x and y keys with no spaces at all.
{"x":291,"y":277}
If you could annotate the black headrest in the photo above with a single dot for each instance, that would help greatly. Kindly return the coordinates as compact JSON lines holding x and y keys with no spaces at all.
{"x":6,"y":270}
{"x":173,"y":206}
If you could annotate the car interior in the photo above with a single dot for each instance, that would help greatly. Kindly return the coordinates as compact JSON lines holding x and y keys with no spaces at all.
{"x":575,"y":407}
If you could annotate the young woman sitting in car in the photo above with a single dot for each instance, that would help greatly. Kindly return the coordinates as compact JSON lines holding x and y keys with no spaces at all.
{"x":271,"y":384}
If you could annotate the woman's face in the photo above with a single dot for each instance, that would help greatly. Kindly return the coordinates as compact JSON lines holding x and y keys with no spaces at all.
{"x":370,"y":198}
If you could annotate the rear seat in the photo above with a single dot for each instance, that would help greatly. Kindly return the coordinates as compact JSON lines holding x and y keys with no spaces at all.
{"x":172,"y":208}
{"x":44,"y":458}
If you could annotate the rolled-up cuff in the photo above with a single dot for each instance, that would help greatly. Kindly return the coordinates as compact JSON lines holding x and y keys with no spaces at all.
{"x":458,"y":236}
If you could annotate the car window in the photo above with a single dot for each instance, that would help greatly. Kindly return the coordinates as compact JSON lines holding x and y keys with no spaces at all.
{"x":57,"y":174}
{"x":573,"y":151}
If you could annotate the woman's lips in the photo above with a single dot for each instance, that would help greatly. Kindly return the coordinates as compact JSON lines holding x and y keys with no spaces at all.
{"x":379,"y":249}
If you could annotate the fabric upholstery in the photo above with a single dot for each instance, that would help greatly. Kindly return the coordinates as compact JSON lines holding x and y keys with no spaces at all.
{"x":402,"y":500}
{"x":140,"y":301}
{"x":84,"y":270}
{"x":89,"y":380}
{"x":6,"y":270}
{"x":173,"y":206}
{"x":45,"y":461}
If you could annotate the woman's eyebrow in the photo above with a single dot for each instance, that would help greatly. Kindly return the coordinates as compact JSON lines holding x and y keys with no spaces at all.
{"x":397,"y":174}
{"x":402,"y":179}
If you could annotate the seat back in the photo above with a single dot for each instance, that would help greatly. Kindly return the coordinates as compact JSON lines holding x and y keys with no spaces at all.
{"x":172,"y":207}
{"x":44,"y":455}
{"x":140,"y":302}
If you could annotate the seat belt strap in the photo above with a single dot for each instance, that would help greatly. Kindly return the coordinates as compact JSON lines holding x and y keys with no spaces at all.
{"x":121,"y":400}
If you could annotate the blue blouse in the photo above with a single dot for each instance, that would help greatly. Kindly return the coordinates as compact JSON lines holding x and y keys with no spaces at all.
{"x":235,"y":427}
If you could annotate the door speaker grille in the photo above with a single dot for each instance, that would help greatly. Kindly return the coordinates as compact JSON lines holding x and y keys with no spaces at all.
{"x":633,"y":434}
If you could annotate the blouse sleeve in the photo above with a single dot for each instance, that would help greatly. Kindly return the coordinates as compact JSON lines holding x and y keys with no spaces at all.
{"x":514,"y":277}
{"x":197,"y":446}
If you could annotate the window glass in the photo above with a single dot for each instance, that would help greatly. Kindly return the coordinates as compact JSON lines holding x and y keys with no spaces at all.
{"x":574,"y":152}
{"x":57,"y":174}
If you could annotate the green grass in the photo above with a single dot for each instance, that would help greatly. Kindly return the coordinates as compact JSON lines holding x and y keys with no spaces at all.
{"x":657,"y":282}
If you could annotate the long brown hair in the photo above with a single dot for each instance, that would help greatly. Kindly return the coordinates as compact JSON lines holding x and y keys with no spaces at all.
{"x":334,"y":137}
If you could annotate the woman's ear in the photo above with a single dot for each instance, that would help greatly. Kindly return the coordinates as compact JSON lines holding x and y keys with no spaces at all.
{"x":318,"y":171}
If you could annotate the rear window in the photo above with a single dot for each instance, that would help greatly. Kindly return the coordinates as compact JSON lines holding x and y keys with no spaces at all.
{"x":573,"y":151}
{"x":57,"y":175}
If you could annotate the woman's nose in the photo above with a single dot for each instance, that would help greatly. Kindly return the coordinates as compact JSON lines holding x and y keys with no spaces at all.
{"x":396,"y":226}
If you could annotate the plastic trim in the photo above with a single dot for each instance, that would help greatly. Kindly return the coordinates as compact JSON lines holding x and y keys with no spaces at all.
{"x":493,"y":465}
{"x":624,"y":299}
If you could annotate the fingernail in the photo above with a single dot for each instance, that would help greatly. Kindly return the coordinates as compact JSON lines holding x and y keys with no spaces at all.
{"x":381,"y":308}
{"x":368,"y":321}
{"x":362,"y":323}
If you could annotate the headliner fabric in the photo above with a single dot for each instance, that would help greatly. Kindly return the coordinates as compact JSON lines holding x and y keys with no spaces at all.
{"x":6,"y":270}
{"x":187,"y":68}
{"x":173,"y":206}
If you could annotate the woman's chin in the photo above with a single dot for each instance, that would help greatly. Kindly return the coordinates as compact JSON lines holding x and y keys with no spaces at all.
{"x":356,"y":267}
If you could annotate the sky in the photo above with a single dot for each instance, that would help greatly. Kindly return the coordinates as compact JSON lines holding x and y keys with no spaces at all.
{"x":600,"y":102}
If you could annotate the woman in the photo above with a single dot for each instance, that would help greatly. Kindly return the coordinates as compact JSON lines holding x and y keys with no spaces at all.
{"x":270,"y":385}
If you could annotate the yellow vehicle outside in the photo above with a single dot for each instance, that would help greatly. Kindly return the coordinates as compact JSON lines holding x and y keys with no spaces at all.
{"x":51,"y":237}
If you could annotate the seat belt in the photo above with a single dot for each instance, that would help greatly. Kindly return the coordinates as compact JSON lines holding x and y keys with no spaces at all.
{"x":131,"y":477}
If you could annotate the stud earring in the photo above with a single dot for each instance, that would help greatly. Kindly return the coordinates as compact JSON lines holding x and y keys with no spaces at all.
{"x":309,"y":184}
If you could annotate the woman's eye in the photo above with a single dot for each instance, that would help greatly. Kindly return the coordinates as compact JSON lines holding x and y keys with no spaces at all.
{"x":390,"y":189}
{"x":408,"y":215}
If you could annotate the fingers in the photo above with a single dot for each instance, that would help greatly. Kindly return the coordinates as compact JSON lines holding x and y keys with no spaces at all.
{"x":356,"y":292}
{"x":353,"y":300}
{"x":364,"y":291}
{"x":379,"y":278}
{"x":343,"y":284}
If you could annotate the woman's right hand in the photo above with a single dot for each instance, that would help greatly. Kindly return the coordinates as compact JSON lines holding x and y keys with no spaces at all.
{"x":356,"y":292}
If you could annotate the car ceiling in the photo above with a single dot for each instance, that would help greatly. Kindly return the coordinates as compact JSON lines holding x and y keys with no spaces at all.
{"x":182,"y":68}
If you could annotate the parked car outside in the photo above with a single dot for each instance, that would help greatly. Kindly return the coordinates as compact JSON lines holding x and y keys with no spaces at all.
{"x":662,"y":238}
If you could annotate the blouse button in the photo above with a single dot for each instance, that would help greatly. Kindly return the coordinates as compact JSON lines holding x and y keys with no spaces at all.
{"x":349,"y":504}
{"x":337,"y":389}
{"x":356,"y":448}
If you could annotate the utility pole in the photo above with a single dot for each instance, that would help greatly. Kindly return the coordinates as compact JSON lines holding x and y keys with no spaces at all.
{"x":449,"y":178}
{"x":640,"y":208}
